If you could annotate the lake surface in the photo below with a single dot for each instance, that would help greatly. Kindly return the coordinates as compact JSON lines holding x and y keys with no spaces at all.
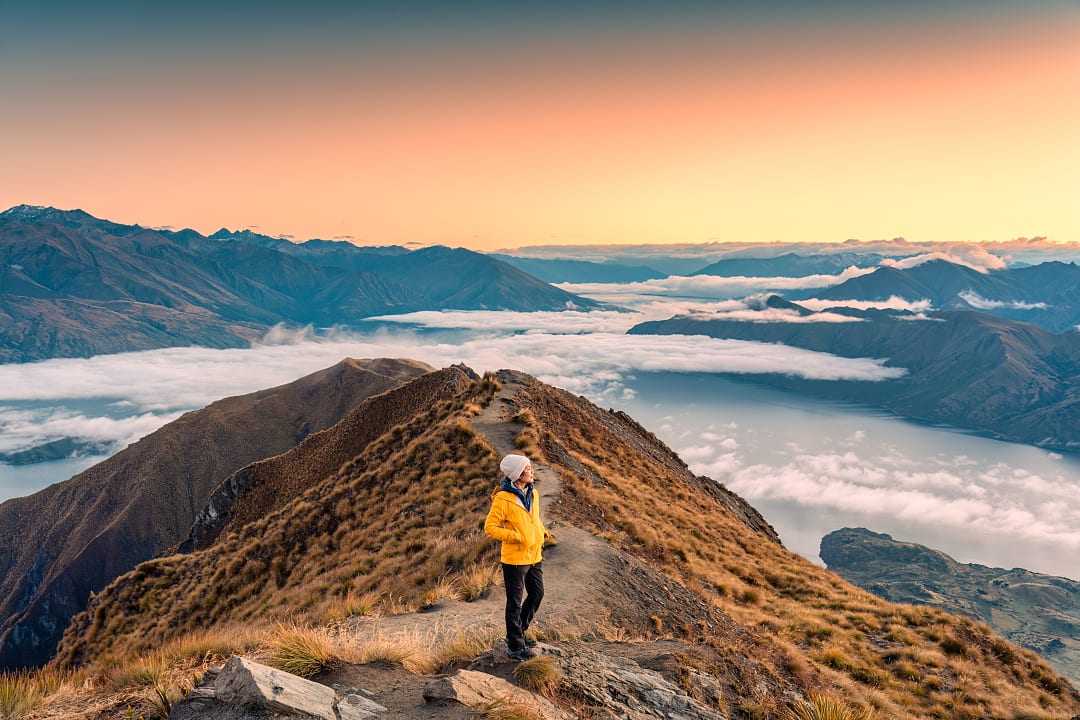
{"x":812,"y":466}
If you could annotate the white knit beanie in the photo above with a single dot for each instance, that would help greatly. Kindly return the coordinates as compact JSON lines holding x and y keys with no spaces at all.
{"x":513,"y":465}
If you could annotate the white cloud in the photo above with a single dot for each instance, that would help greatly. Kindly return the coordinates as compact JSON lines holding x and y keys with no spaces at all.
{"x":999,"y":500}
{"x":893,"y":303}
{"x":710,"y":286}
{"x":22,"y":428}
{"x":977,"y":301}
{"x":776,"y":315}
{"x":975,"y":257}
{"x":592,"y":364}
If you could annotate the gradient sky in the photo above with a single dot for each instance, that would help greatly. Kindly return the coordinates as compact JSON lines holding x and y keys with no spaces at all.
{"x":504,"y":124}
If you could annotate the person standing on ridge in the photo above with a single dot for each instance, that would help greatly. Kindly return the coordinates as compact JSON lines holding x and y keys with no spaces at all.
{"x":514,"y":520}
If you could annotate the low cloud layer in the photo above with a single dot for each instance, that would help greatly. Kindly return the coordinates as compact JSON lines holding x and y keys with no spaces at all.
{"x":893,"y":303}
{"x":957,"y":494}
{"x":711,"y":286}
{"x":25,"y":428}
{"x":975,"y":257}
{"x":592,"y":364}
{"x":977,"y":301}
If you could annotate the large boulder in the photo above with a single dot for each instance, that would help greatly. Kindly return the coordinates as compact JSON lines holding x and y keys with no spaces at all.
{"x":245,"y":689}
{"x":478,"y":690}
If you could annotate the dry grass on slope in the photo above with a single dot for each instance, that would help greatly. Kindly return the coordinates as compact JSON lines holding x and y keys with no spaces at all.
{"x":807,"y":628}
{"x":400,"y":517}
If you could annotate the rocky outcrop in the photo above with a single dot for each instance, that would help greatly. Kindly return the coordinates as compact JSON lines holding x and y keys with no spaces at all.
{"x":244,"y":688}
{"x":478,"y":690}
{"x":619,"y":688}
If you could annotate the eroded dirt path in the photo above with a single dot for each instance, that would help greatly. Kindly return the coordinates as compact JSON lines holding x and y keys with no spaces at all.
{"x":575,"y":569}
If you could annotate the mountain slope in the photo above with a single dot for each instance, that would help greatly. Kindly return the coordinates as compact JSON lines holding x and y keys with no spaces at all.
{"x":1047,"y":294}
{"x":556,"y":270}
{"x":789,"y":265}
{"x":74,"y":285}
{"x":1040,"y":612}
{"x":102,"y":522}
{"x":964,"y":368}
{"x":645,"y":547}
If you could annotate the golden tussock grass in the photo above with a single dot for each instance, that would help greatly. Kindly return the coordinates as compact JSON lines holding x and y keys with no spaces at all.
{"x":826,"y":707}
{"x":808,"y":629}
{"x":356,"y":534}
{"x":540,"y":674}
{"x":507,"y":709}
{"x":302,"y":651}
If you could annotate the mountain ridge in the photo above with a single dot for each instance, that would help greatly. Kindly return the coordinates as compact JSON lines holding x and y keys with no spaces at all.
{"x":143,"y":500}
{"x":968,"y":369}
{"x":1037,"y":611}
{"x":72,"y":285}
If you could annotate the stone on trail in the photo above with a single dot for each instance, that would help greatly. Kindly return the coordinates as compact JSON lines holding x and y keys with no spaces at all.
{"x":243,"y":682}
{"x":478,"y":690}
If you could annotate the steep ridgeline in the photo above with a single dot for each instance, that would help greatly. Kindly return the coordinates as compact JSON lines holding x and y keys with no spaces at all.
{"x":967,"y":369}
{"x":71,"y":539}
{"x":646,"y":549}
{"x":1041,"y":612}
{"x":72,"y":285}
{"x":1047,"y":294}
{"x":267,"y":485}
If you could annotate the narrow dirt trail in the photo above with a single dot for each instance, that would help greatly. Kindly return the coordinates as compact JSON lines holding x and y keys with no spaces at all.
{"x":574,"y":568}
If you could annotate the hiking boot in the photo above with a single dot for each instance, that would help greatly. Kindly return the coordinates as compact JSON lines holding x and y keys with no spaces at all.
{"x":522,"y":655}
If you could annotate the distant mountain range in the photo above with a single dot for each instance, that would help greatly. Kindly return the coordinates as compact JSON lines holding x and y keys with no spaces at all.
{"x":75,"y":285}
{"x":789,"y":265}
{"x":1040,"y":612}
{"x":555,"y":270}
{"x":968,"y":369}
{"x":1047,"y":294}
{"x":143,"y":500}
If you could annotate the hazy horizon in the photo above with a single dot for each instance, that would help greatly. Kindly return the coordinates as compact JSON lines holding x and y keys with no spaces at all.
{"x":489,"y":127}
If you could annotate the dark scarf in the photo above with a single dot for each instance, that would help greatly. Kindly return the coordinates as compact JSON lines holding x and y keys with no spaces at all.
{"x":526,"y":496}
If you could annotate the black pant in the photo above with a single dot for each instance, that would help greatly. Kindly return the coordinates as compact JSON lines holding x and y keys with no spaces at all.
{"x":520,"y":608}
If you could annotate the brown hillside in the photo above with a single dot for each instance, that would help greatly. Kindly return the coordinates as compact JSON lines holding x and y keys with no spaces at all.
{"x":59,"y":545}
{"x":266,"y":485}
{"x":644,"y":545}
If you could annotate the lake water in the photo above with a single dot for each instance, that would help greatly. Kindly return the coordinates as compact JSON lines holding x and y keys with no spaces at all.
{"x":811,"y":466}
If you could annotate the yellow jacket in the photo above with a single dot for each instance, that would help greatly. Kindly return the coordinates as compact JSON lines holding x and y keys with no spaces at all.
{"x":520,"y":531}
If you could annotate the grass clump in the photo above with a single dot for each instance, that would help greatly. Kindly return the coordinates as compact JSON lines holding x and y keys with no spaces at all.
{"x":820,"y":706}
{"x":20,"y":693}
{"x":445,"y":588}
{"x":507,"y":709}
{"x":475,"y":582}
{"x":540,"y":674}
{"x":301,"y":651}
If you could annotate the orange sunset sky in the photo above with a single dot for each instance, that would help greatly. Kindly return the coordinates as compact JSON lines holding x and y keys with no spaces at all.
{"x":487,"y":128}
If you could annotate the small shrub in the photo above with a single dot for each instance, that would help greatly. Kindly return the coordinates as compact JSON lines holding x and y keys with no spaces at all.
{"x":835,"y":657}
{"x":870,"y":676}
{"x":826,"y":707}
{"x":540,"y":674}
{"x":906,"y":671}
{"x":301,"y":651}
